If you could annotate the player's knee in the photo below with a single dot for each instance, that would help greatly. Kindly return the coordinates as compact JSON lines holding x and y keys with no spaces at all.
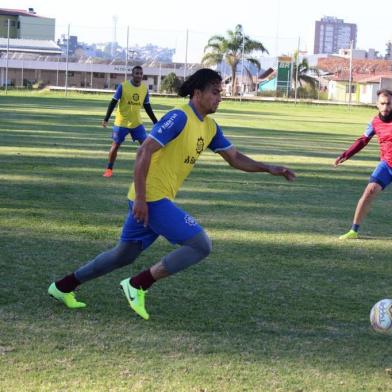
{"x":372,"y":190}
{"x":190,"y":253}
{"x":202,"y":244}
{"x":206,"y":246}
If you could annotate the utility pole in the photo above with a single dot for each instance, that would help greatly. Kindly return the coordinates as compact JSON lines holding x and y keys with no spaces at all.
{"x":296,"y":71}
{"x":114,"y":42}
{"x":126,"y":55}
{"x":66,"y":65}
{"x":242,"y":65}
{"x":8,"y":51}
{"x":186,"y":55}
{"x":350,"y":74}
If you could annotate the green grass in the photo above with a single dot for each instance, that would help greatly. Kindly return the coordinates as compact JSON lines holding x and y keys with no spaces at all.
{"x":280,"y":304}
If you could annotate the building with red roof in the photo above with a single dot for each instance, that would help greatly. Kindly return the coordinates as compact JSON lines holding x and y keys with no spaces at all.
{"x":367,"y":77}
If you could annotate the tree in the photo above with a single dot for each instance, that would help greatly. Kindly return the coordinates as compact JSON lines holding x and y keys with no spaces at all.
{"x":171,"y":83}
{"x":303,"y":73}
{"x":230,"y":50}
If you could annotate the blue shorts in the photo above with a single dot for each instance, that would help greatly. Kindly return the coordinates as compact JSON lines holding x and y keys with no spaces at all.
{"x":165,"y":219}
{"x":382,"y":175}
{"x":138,"y":133}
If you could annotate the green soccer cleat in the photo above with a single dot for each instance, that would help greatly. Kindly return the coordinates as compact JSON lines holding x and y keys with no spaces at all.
{"x":68,"y":299}
{"x":350,"y":235}
{"x":135,"y":298}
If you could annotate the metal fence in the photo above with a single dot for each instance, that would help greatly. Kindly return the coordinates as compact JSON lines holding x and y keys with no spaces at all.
{"x":177,"y":50}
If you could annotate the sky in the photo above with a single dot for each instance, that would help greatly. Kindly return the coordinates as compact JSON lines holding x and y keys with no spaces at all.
{"x":278,"y":24}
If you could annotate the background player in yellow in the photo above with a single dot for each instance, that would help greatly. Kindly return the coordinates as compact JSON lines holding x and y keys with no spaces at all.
{"x":130,"y":96}
{"x":163,"y":162}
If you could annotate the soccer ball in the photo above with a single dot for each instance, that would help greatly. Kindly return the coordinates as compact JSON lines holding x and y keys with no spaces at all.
{"x":381,"y":317}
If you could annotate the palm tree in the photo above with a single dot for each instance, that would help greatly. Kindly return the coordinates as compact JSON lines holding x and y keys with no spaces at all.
{"x":230,"y":49}
{"x":303,"y":73}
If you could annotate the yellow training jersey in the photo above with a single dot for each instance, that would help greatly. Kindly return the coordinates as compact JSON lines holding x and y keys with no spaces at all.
{"x":171,"y":164}
{"x":128,"y":108}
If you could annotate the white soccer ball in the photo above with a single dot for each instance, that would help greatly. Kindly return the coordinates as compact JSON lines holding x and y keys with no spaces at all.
{"x":381,"y":317}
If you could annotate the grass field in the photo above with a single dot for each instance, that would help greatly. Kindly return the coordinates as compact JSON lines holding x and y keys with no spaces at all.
{"x":280,"y":305}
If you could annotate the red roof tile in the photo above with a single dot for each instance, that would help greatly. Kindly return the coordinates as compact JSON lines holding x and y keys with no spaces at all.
{"x":13,"y":12}
{"x":361,"y":69}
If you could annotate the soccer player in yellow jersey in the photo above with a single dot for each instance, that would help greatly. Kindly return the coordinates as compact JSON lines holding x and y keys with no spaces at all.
{"x":163,"y":162}
{"x":130,"y":96}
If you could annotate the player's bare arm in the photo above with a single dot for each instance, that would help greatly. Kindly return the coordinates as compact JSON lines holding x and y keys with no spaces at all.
{"x":142,"y":163}
{"x":242,"y":162}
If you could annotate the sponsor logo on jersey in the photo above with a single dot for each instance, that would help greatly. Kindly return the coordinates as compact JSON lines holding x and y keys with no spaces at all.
{"x":190,"y":220}
{"x":169,"y":122}
{"x":199,"y":145}
{"x":199,"y":149}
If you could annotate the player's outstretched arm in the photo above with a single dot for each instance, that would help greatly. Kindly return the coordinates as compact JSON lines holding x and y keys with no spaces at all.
{"x":339,"y":160}
{"x":242,"y":162}
{"x":357,"y":146}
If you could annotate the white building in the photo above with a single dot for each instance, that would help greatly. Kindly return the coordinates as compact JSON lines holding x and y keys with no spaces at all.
{"x":369,"y":86}
{"x":359,"y":54}
{"x":26,"y":25}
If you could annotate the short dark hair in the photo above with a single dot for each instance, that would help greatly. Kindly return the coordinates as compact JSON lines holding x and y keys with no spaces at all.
{"x":199,"y":81}
{"x":137,"y":67}
{"x":384,"y":91}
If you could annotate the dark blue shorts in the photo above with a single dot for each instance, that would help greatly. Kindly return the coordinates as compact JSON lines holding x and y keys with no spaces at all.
{"x":382,"y":175}
{"x":165,"y":219}
{"x":138,"y":133}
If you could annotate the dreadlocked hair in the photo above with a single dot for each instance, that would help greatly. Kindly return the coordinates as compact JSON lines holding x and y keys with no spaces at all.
{"x":199,"y":81}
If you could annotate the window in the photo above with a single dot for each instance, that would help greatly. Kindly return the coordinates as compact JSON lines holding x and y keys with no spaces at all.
{"x":353,"y":88}
{"x":12,"y":23}
{"x":99,"y":75}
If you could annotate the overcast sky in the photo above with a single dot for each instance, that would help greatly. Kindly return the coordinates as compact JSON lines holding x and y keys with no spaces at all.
{"x":165,"y":22}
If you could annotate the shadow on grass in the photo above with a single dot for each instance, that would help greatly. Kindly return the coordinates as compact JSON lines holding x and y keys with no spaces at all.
{"x":279,"y":291}
{"x":291,"y":301}
{"x":234,"y":200}
{"x":57,"y":102}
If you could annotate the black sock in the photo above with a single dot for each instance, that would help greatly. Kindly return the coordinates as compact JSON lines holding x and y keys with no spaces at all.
{"x":68,"y":283}
{"x":355,"y":227}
